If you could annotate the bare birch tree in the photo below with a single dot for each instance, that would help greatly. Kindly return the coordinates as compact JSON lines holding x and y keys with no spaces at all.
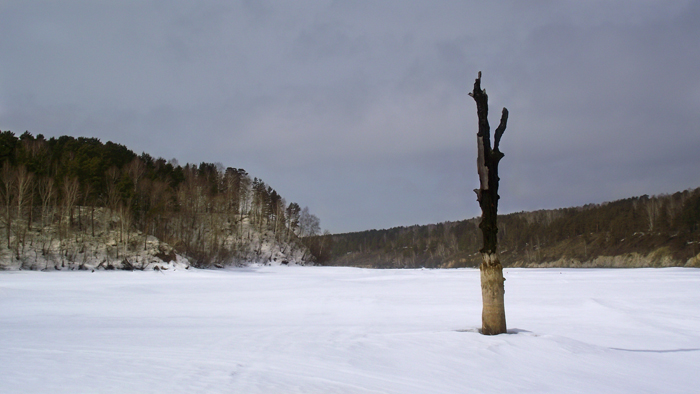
{"x":47,"y":195}
{"x":8,"y":179}
{"x":25,"y":184}
{"x":71,"y":190}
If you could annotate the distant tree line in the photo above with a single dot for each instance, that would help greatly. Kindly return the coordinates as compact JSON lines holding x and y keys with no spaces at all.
{"x":70,"y":187}
{"x":666,"y":225}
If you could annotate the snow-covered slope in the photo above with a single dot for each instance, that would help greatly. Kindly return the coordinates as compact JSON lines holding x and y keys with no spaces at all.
{"x":55,"y":248}
{"x":347,"y":330}
{"x":84,"y":252}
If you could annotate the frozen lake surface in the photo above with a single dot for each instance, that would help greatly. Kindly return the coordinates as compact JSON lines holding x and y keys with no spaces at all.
{"x":348,"y":330}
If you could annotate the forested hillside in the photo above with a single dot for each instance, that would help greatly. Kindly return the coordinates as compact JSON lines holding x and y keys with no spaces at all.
{"x":68,"y":200}
{"x":640,"y":231}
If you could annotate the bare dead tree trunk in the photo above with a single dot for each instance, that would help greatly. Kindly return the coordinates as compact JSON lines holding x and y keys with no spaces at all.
{"x":493,"y":317}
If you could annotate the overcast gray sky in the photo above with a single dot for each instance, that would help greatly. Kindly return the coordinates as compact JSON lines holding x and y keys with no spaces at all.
{"x":359,"y":109}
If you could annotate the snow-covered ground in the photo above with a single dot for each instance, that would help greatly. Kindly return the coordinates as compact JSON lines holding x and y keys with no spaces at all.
{"x":347,"y":330}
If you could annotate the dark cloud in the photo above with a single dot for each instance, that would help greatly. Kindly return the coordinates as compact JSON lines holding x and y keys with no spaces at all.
{"x":360,"y":109}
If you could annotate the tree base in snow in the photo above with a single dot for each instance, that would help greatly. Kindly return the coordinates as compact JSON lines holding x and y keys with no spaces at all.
{"x":493,"y":315}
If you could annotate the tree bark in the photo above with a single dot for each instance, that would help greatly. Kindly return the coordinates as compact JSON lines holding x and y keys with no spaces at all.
{"x":493,"y":318}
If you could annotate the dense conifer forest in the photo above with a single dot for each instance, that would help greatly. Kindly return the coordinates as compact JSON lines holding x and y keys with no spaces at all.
{"x":61,"y":195}
{"x":640,"y":231}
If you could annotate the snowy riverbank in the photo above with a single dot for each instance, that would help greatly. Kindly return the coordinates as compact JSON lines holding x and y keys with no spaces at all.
{"x":347,"y":330}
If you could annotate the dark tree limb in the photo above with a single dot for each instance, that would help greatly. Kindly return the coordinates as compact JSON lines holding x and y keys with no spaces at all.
{"x":499,"y":131}
{"x":492,"y":289}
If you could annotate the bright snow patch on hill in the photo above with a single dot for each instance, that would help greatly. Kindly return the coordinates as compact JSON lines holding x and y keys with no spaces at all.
{"x":346,"y":330}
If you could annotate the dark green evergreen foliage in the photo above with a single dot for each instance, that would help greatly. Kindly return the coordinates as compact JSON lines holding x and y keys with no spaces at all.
{"x":8,"y":143}
{"x":179,"y":205}
{"x":691,"y":214}
{"x":635,"y":225}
